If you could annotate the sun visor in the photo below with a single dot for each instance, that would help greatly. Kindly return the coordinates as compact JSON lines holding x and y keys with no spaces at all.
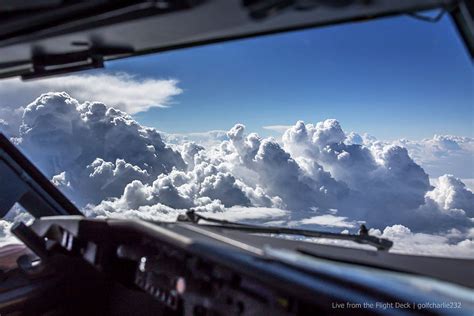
{"x":51,"y":37}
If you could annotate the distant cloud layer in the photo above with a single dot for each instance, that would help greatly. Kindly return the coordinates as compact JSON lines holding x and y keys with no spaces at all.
{"x":443,"y":154}
{"x":277,"y":128}
{"x":316,"y":176}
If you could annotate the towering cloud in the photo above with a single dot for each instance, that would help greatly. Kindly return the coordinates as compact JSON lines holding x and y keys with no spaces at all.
{"x":95,"y":151}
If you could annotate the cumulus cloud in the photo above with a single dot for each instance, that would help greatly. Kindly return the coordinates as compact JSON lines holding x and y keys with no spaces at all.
{"x":439,"y":155}
{"x":122,"y":91}
{"x":90,"y":150}
{"x":449,"y":244}
{"x":317,"y":175}
{"x":314,"y":171}
{"x":451,"y":194}
{"x":383,"y":182}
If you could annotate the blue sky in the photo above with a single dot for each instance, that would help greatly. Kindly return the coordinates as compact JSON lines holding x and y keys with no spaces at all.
{"x":396,"y":77}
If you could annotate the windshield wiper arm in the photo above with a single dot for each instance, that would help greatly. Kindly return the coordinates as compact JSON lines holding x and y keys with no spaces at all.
{"x":362,"y":237}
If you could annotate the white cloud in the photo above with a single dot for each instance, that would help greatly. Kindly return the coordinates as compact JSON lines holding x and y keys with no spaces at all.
{"x":92,"y":151}
{"x":122,"y":91}
{"x":277,"y":128}
{"x":329,"y":220}
{"x":249,"y":214}
{"x":104,"y":159}
{"x":380,"y":185}
{"x":439,"y":155}
{"x":406,"y":241}
{"x":16,"y":214}
{"x":442,"y":154}
{"x":207,"y":139}
{"x":4,"y":229}
{"x":469,"y":183}
{"x":451,"y":194}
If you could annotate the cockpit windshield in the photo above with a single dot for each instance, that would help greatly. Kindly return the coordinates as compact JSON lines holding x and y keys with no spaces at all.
{"x":330,"y":128}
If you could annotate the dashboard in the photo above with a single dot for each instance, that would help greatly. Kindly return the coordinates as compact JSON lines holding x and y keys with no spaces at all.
{"x":138,"y":267}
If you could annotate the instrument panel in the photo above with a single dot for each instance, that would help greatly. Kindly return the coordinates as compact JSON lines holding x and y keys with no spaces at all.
{"x":187,"y":269}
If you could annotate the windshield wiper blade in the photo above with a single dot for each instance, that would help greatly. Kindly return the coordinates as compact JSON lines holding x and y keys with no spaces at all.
{"x":362,"y":237}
